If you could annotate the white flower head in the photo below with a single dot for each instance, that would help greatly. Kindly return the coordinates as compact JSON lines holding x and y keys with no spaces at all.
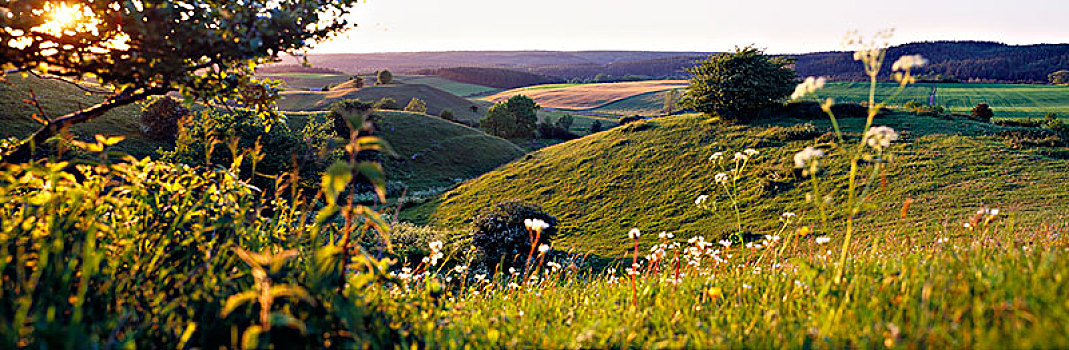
{"x":809,"y":86}
{"x":880,"y":137}
{"x":788,"y":214}
{"x":716,"y":157}
{"x":909,"y":62}
{"x":721,"y":178}
{"x":725,"y":242}
{"x":808,"y":158}
{"x":543,"y":248}
{"x":535,"y":224}
{"x":701,"y":200}
{"x":435,"y":246}
{"x":823,"y":239}
{"x":634,"y":233}
{"x":751,"y":152}
{"x":665,"y":235}
{"x":740,"y":156}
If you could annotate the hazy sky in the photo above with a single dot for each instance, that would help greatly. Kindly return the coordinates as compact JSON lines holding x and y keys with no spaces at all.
{"x":688,"y":25}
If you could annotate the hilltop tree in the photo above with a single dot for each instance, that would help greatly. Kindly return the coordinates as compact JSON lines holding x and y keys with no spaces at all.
{"x":565,"y":122}
{"x":205,"y":51}
{"x":357,"y":81}
{"x":515,"y":118}
{"x":736,"y":86}
{"x":416,"y":105}
{"x":385,"y":77}
{"x":1059,"y":77}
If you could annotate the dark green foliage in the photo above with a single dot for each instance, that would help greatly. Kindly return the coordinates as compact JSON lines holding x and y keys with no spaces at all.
{"x":912,"y":104}
{"x":803,"y":131}
{"x":595,"y":127}
{"x":804,"y":110}
{"x":565,"y":122}
{"x":416,"y":105}
{"x":1059,"y":77}
{"x":983,"y":112}
{"x":736,"y":86}
{"x":930,"y":111}
{"x":387,"y":103}
{"x":384,"y":77}
{"x":554,"y":131}
{"x":356,"y":81}
{"x":503,"y":240}
{"x":219,"y":136}
{"x":631,"y":119}
{"x":447,"y":114}
{"x":515,"y":118}
{"x":159,"y":120}
{"x":849,"y":110}
{"x":346,"y":112}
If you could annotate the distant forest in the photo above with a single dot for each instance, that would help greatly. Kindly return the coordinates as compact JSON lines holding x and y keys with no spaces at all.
{"x":965,"y":61}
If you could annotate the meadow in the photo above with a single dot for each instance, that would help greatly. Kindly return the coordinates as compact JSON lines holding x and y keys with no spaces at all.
{"x":1007,"y":100}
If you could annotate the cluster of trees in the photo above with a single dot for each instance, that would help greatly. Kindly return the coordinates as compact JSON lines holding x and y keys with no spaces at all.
{"x":516,"y":118}
{"x":1059,"y":78}
{"x":956,"y":60}
{"x":606,"y":78}
{"x":657,"y":68}
{"x":492,"y":77}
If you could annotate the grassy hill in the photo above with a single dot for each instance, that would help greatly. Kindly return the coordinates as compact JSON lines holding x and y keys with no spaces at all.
{"x":588,"y":96}
{"x":1007,"y":100}
{"x":647,"y":175}
{"x":316,"y":81}
{"x":436,"y":99}
{"x":434,"y":153}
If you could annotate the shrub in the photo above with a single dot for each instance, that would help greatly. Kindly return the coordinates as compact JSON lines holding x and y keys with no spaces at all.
{"x":1059,"y":77}
{"x":385,"y":77}
{"x":736,"y":86}
{"x":387,"y":103}
{"x":913,"y":105}
{"x":447,"y":114}
{"x":595,"y":127}
{"x":804,"y":110}
{"x":929,"y":111}
{"x":159,"y":119}
{"x":556,"y":132}
{"x":501,"y":238}
{"x":218,"y":137}
{"x":416,"y":105}
{"x":515,"y":118}
{"x":356,"y":81}
{"x":343,"y":109}
{"x":565,"y":122}
{"x":983,"y":112}
{"x":849,"y":110}
{"x":631,"y":119}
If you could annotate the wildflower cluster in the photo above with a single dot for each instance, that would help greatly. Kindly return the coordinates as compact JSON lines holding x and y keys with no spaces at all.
{"x":726,"y":182}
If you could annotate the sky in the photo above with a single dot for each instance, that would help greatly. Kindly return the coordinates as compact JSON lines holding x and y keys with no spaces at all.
{"x":687,"y":25}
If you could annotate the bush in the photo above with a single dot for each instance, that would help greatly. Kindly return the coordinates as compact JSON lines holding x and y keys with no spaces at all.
{"x":515,"y":118}
{"x":913,"y":105}
{"x":160,"y":118}
{"x":556,"y":132}
{"x":849,"y":110}
{"x":385,"y":77}
{"x":447,"y":114}
{"x":631,"y":119}
{"x":223,"y":136}
{"x":501,"y":238}
{"x":565,"y":122}
{"x":416,"y":105}
{"x":387,"y":103}
{"x":808,"y":110}
{"x":595,"y":127}
{"x":356,"y":81}
{"x":929,"y":111}
{"x":983,"y":112}
{"x":736,"y":86}
{"x":343,"y":109}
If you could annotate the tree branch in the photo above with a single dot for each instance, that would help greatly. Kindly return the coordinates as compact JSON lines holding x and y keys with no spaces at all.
{"x":24,"y":152}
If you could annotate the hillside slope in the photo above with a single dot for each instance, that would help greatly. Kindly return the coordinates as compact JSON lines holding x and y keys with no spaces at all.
{"x":436,"y":99}
{"x":647,"y":175}
{"x":588,"y":96}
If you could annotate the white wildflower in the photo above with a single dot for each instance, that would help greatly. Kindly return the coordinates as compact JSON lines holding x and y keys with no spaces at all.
{"x":823,"y":239}
{"x":788,"y":214}
{"x":725,"y":242}
{"x":721,"y":178}
{"x":808,"y":157}
{"x":809,"y":86}
{"x":716,"y":157}
{"x":535,"y":224}
{"x":634,"y":233}
{"x":701,"y":200}
{"x":909,"y":62}
{"x":739,"y":156}
{"x":543,"y":248}
{"x":751,"y":152}
{"x":665,"y":235}
{"x":880,"y":137}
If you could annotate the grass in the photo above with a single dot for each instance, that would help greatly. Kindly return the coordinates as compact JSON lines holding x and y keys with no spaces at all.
{"x":308,"y":80}
{"x":453,"y":87}
{"x":1007,"y":100}
{"x":302,"y":81}
{"x":647,"y":175}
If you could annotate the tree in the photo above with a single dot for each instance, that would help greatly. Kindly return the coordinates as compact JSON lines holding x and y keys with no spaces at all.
{"x":565,"y":122}
{"x":983,"y":112}
{"x":595,"y":127}
{"x":513,"y":119}
{"x":447,"y":114}
{"x":1059,"y":77}
{"x":385,"y":77}
{"x":387,"y":103}
{"x":671,"y":100}
{"x":357,"y":81}
{"x":416,"y":105}
{"x":159,"y":120}
{"x":735,"y":86}
{"x":158,"y":46}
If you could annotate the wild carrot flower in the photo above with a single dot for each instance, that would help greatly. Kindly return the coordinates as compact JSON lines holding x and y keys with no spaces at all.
{"x":535,"y":224}
{"x":665,"y":235}
{"x":823,"y":239}
{"x":808,"y":157}
{"x":436,"y":253}
{"x":740,"y":156}
{"x":543,"y":248}
{"x":880,"y":137}
{"x":909,"y":62}
{"x":725,"y":242}
{"x":721,"y":178}
{"x":751,"y":152}
{"x":716,"y":157}
{"x":809,"y":86}
{"x":701,"y":200}
{"x":634,"y":233}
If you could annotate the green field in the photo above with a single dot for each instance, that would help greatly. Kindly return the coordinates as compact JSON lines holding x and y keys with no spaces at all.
{"x":453,"y":87}
{"x":1007,"y":100}
{"x":299,"y":81}
{"x":648,"y":174}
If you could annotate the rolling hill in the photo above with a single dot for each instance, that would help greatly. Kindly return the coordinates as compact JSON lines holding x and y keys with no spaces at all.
{"x":587,"y":96}
{"x":436,"y":99}
{"x":647,"y":175}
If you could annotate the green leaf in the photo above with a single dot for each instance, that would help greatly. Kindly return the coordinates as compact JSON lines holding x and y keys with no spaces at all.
{"x":374,"y":173}
{"x":236,"y":300}
{"x":336,"y":178}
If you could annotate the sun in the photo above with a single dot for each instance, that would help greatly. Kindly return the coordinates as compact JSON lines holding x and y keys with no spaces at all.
{"x":64,"y":18}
